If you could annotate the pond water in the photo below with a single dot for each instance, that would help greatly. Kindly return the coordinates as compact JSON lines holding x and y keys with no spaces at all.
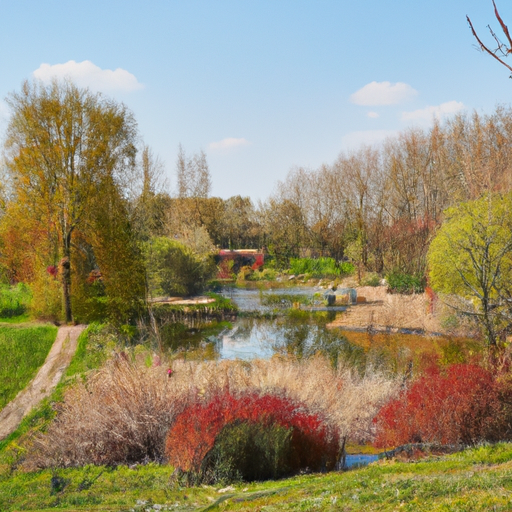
{"x":300,"y":333}
{"x":359,"y":460}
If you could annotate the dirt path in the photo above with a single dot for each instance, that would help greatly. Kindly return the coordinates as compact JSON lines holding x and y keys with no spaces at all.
{"x":44,"y":382}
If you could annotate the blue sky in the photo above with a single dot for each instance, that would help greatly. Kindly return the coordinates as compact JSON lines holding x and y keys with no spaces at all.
{"x":261,"y":86}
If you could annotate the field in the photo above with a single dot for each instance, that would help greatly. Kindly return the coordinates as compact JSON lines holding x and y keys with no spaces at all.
{"x":479,"y":479}
{"x":22,"y":351}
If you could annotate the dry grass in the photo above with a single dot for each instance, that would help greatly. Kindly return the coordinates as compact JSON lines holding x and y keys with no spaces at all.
{"x":387,"y":312}
{"x":122,"y":414}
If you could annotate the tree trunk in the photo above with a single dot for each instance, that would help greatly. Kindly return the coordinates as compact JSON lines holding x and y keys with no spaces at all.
{"x":66,"y":279}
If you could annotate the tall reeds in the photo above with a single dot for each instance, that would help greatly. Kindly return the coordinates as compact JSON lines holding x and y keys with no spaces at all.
{"x":123,"y":413}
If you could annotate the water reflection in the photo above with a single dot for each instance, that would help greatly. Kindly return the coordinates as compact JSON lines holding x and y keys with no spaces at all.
{"x":303,"y":334}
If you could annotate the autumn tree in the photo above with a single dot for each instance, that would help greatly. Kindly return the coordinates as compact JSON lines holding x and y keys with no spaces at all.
{"x":63,"y":145}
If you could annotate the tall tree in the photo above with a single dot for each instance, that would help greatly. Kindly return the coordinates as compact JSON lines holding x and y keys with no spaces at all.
{"x":193,"y":175}
{"x":63,"y":144}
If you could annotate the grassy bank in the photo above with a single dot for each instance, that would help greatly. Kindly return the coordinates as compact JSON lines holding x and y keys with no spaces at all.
{"x":22,"y":351}
{"x":479,"y":479}
{"x":93,"y":345}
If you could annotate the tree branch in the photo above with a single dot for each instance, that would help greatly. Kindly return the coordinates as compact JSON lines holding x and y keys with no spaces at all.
{"x":483,"y":47}
{"x":503,"y":27}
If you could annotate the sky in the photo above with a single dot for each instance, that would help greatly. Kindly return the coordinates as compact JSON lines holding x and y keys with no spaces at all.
{"x":262,"y":86}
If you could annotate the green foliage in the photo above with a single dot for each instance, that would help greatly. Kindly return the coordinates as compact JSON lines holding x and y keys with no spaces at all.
{"x":22,"y":352}
{"x":471,"y":256}
{"x":174,"y":269}
{"x":14,"y":300}
{"x":400,"y":282}
{"x":245,"y":273}
{"x":265,"y":274}
{"x":319,"y":267}
{"x":249,"y":451}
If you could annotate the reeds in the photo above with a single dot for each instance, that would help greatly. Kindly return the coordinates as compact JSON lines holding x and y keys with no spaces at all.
{"x":123,"y":413}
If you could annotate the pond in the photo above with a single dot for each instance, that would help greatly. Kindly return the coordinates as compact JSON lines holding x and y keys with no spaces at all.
{"x":300,"y":333}
{"x":359,"y":460}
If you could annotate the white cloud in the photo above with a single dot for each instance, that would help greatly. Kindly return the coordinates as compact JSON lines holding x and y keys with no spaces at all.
{"x":355,"y":140}
{"x":383,"y":93}
{"x":373,"y":115}
{"x":229,"y":143}
{"x":427,"y":114}
{"x":87,"y":74}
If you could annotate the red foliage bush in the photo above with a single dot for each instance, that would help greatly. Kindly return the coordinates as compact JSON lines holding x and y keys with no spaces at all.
{"x":195,"y":430}
{"x":464,"y":404}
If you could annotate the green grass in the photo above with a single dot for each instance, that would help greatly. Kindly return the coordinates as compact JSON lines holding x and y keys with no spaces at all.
{"x":479,"y":479}
{"x":14,"y":300}
{"x":22,"y":351}
{"x":93,"y":346}
{"x":19,"y":319}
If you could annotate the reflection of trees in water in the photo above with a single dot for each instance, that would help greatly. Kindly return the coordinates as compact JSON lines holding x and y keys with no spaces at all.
{"x":306,"y":336}
{"x":177,"y":336}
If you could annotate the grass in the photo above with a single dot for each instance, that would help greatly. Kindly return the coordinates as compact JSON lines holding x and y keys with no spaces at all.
{"x":92,"y":349}
{"x":478,"y":479}
{"x":22,"y":351}
{"x":19,"y":319}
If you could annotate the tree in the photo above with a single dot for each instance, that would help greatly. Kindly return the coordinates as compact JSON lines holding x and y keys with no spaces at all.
{"x":471,"y":256}
{"x":63,"y":145}
{"x":175,"y":269}
{"x":193,"y":175}
{"x":501,"y":48}
{"x":150,"y":202}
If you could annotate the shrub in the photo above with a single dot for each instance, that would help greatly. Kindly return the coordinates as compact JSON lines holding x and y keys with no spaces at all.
{"x":245,"y":273}
{"x":175,"y":269}
{"x":371,"y":280}
{"x":400,"y":282}
{"x":197,"y":432}
{"x":47,"y":297}
{"x":14,"y":300}
{"x":462,"y":405}
{"x":319,"y":267}
{"x":249,"y":451}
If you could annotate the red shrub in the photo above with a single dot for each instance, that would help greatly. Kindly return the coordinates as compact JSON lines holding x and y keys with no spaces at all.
{"x":195,"y":430}
{"x":464,"y":405}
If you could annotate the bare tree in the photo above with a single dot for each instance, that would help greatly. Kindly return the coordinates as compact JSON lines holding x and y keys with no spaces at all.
{"x":193,"y":175}
{"x":502,"y":49}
